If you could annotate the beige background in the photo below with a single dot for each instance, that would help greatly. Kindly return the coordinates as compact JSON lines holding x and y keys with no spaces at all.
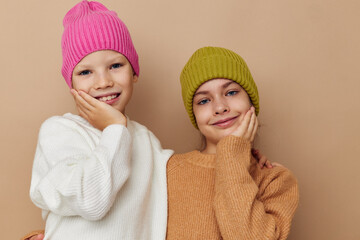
{"x":304,"y":56}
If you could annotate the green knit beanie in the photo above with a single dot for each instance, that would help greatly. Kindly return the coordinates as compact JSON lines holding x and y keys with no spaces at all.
{"x":214,"y":62}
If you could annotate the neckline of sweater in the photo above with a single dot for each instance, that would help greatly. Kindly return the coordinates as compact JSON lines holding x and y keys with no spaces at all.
{"x":201,"y":159}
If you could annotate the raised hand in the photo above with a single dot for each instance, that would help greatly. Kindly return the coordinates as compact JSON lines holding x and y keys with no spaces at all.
{"x":262,"y":159}
{"x":248,"y":126}
{"x":97,"y":113}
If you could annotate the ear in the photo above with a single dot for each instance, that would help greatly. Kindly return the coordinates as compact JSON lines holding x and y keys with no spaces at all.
{"x":135,"y":78}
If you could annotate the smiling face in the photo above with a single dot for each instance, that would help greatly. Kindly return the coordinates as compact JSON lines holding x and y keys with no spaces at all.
{"x":107,"y":76}
{"x":218,"y":105}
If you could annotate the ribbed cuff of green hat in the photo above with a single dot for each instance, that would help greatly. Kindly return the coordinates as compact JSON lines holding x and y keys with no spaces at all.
{"x":211,"y":63}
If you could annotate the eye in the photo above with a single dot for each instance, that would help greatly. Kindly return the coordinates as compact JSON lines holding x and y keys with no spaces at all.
{"x":232,"y":93}
{"x":116,"y":65}
{"x":203,"y":101}
{"x":85,"y":72}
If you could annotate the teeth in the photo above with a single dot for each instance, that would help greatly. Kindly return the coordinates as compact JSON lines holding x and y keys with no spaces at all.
{"x":107,"y":98}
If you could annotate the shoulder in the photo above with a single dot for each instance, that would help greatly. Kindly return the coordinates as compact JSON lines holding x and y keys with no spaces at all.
{"x":277,"y":177}
{"x":180,"y":157}
{"x":278,"y":184}
{"x":63,"y":125}
{"x":66,"y":120}
{"x":138,"y":129}
{"x":55,"y":123}
{"x":142,"y":137}
{"x":178,"y":160}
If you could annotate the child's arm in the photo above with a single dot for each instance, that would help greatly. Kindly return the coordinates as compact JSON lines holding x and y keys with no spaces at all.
{"x":73,"y":174}
{"x":246,"y":206}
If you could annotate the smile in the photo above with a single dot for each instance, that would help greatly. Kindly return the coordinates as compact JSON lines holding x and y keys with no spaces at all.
{"x":225,"y":123}
{"x":109,"y":99}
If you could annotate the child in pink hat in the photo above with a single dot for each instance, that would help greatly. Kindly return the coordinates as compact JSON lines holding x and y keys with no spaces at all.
{"x":99,"y":175}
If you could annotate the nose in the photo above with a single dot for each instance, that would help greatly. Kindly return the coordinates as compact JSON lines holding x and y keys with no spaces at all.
{"x":103,"y":80}
{"x":220,"y":107}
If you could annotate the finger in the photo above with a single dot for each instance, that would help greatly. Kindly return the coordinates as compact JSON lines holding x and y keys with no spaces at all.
{"x":268,"y":164}
{"x":241,"y":119}
{"x":251,"y":126}
{"x":246,"y":121}
{"x":89,"y":99}
{"x":258,"y":154}
{"x":72,"y":92}
{"x":262,"y":161}
{"x":83,"y":113}
{"x":242,"y":128}
{"x":255,"y":153}
{"x":254,"y":130}
{"x":81,"y":101}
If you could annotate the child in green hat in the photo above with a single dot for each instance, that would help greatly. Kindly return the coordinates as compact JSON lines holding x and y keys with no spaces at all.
{"x":221,"y":192}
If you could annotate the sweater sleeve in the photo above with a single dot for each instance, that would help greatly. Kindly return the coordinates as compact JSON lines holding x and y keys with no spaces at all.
{"x":73,"y":175}
{"x":245,"y":209}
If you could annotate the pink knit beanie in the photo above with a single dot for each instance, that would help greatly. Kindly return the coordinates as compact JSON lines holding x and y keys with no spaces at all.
{"x":90,"y":27}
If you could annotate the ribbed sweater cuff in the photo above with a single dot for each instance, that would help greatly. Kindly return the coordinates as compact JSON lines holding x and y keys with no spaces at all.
{"x":233,"y":148}
{"x":115,"y":130}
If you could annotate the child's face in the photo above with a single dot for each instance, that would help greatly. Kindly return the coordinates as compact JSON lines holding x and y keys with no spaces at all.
{"x":107,"y":76}
{"x":218,"y":105}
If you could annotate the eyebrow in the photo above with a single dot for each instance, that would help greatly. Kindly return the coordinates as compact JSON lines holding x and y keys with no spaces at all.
{"x":82,"y":66}
{"x":89,"y":65}
{"x":225,"y":85}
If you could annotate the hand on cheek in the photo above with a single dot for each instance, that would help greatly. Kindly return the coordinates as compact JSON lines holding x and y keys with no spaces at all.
{"x":97,"y":113}
{"x":248,"y":125}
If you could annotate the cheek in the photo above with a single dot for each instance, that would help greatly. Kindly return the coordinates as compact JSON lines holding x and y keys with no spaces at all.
{"x":242,"y":104}
{"x":76,"y":83}
{"x":81,"y":85}
{"x":127,"y":87}
{"x":123,"y":80}
{"x":245,"y":107}
{"x":201,"y":115}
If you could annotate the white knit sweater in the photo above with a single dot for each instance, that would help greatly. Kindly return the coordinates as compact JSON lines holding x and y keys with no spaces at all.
{"x":100,"y":185}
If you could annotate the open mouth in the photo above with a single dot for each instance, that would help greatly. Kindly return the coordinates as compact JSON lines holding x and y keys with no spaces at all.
{"x":108,"y":98}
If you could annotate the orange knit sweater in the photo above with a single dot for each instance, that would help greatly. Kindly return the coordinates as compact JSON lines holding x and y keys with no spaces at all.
{"x":227,"y":196}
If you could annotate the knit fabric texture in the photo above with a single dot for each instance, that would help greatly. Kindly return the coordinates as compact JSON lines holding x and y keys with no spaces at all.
{"x":91,"y":27}
{"x":209,"y":63}
{"x":228,"y":196}
{"x":93,"y":184}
